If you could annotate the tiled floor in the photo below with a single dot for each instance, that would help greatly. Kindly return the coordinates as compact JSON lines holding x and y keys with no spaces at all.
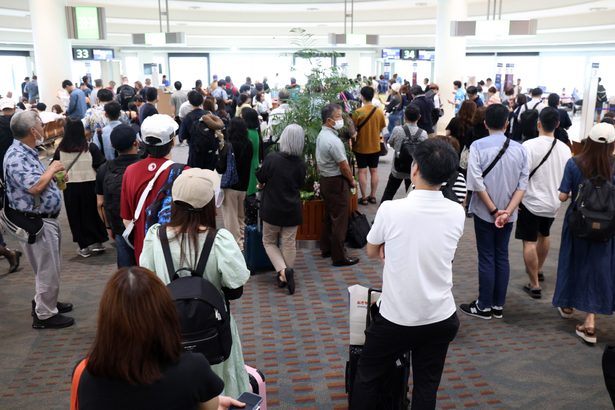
{"x":530,"y":359}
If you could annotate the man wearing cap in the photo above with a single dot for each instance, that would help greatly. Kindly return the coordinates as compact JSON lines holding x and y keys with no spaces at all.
{"x":32,"y":191}
{"x":157,"y":134}
{"x":109,"y":186}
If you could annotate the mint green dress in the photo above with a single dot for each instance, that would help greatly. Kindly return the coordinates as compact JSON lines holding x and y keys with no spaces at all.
{"x":255,"y":141}
{"x":225,"y":267}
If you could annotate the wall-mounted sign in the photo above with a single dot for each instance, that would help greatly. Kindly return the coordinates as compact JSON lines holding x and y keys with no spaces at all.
{"x":86,"y":23}
{"x":408,"y":54}
{"x":99,"y":54}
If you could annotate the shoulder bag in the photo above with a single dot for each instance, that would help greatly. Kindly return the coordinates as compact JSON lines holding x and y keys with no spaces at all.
{"x":141,"y":203}
{"x":544,"y":159}
{"x":497,"y":158}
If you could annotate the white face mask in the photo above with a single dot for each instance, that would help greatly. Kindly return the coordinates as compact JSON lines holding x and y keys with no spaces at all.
{"x":40,"y":140}
{"x":339,"y":124}
{"x":216,"y":107}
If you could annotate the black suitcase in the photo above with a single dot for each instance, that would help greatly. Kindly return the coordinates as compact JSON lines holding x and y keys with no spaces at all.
{"x":395,"y":396}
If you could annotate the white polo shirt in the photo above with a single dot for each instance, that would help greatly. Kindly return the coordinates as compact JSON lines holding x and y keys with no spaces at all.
{"x":420,"y":234}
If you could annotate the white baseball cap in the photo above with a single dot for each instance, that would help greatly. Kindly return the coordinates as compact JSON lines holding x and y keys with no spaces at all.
{"x":159,"y":126}
{"x":196,"y":187}
{"x":603,"y":133}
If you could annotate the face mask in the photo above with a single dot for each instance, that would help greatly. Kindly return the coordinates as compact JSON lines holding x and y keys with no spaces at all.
{"x":40,"y":140}
{"x":338,"y":124}
{"x":216,"y":107}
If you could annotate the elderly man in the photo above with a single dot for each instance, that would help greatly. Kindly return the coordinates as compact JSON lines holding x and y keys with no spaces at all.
{"x":32,"y":192}
{"x":336,"y":180}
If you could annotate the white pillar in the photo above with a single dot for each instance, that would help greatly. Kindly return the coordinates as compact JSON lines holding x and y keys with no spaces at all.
{"x":450,"y":54}
{"x":52,"y":52}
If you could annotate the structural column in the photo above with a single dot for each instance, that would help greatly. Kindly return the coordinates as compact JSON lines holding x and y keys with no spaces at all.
{"x":450,"y":54}
{"x":52,"y":52}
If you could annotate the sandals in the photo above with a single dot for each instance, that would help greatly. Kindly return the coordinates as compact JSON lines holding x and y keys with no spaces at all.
{"x":565,"y":312}
{"x":368,"y":200}
{"x":281,"y":283}
{"x":534,"y":293}
{"x":588,"y":334}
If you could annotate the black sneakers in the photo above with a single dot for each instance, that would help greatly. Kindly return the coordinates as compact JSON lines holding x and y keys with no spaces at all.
{"x":62,"y":307}
{"x":54,"y":322}
{"x":497,"y":312}
{"x":473,"y":310}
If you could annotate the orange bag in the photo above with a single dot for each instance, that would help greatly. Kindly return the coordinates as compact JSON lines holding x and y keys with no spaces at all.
{"x":74,"y":402}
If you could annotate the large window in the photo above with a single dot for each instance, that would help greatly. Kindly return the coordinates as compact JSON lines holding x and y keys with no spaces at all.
{"x":188,"y":68}
{"x":13,"y":69}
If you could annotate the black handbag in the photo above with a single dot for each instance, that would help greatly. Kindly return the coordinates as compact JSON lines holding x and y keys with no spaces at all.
{"x":23,"y":226}
{"x":358,"y":228}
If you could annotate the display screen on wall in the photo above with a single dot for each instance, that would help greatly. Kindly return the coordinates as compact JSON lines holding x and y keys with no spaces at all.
{"x":390,"y":53}
{"x":408,"y":54}
{"x":427,"y":55}
{"x":81,"y":53}
{"x":103,"y":54}
{"x":86,"y":23}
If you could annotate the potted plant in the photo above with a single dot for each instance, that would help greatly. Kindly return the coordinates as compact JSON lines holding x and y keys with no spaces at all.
{"x":324,"y":86}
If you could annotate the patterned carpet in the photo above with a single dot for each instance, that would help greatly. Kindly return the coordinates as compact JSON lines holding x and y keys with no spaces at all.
{"x":530,"y":359}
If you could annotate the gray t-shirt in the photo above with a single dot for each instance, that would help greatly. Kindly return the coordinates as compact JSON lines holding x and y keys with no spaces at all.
{"x":329,"y":153}
{"x":397,"y":137}
{"x":177,"y":99}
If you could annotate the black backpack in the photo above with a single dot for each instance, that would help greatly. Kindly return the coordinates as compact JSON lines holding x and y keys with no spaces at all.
{"x":205,"y":145}
{"x":403,"y":158}
{"x":112,"y":189}
{"x":202,"y":308}
{"x":593,"y":210}
{"x":528,"y":120}
{"x":447,"y":190}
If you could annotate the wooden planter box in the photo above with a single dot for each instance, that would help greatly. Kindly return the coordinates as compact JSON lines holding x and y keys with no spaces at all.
{"x":314,"y":214}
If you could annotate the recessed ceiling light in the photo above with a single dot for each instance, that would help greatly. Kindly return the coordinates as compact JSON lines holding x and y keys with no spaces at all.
{"x":312,"y":9}
{"x":421,"y":4}
{"x":597,"y":8}
{"x":194,"y":7}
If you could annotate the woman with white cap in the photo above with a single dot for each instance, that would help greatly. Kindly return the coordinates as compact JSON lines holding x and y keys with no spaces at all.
{"x":193,"y":217}
{"x":586,"y":268}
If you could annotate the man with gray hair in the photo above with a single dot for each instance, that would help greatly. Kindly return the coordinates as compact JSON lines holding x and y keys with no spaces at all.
{"x":33,"y":193}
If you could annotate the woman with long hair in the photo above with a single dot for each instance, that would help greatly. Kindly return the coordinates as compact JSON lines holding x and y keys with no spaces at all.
{"x":233,"y":212}
{"x":81,"y":159}
{"x":586,"y":269}
{"x":395,"y":107}
{"x":461,"y":127}
{"x":250,"y":116}
{"x":193,"y":218}
{"x":282,"y":176}
{"x":136,"y":363}
{"x":222,"y":113}
{"x":244,"y":102}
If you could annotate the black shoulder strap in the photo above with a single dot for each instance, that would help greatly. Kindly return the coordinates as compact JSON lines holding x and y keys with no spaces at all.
{"x":536,"y":105}
{"x":209,"y":243}
{"x":497,"y":158}
{"x":166,"y":250}
{"x":362,"y":123}
{"x":407,"y":131}
{"x":417,"y":134}
{"x":545,"y":158}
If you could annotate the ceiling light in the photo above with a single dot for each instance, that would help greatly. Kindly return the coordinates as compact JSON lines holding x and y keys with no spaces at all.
{"x":14,"y":12}
{"x":598,"y":9}
{"x":421,"y":4}
{"x":194,"y":7}
{"x":312,"y":9}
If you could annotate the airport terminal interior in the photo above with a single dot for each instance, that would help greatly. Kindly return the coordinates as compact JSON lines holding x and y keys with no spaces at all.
{"x":293,"y":54}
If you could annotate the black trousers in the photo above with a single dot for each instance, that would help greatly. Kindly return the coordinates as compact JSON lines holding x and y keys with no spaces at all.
{"x":335,"y":192}
{"x":386,"y":341}
{"x":392,"y":186}
{"x":83,"y":219}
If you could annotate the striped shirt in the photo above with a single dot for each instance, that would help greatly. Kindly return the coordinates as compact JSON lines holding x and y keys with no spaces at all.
{"x":459,"y":188}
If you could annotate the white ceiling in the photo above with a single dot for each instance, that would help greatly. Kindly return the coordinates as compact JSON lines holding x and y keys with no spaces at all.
{"x":266,"y":24}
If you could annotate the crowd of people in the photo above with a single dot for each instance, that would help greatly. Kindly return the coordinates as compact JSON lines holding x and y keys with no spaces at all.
{"x":503,"y":159}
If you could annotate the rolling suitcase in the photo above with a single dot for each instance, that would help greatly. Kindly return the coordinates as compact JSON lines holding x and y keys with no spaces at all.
{"x":254,"y":251}
{"x":395,"y":392}
{"x":259,"y":387}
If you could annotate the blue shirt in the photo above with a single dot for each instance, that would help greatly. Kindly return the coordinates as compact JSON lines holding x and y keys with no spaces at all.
{"x":507,"y":176}
{"x":460,"y":96}
{"x":32,"y":90}
{"x":77,"y":105}
{"x":22,"y":170}
{"x":220,"y":93}
{"x":107,"y":148}
{"x":166,"y":83}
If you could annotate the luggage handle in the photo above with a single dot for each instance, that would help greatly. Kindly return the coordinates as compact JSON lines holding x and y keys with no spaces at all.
{"x":369,"y":317}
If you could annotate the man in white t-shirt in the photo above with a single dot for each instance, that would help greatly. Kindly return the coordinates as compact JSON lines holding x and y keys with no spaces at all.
{"x":540,"y":203}
{"x":417,"y":238}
